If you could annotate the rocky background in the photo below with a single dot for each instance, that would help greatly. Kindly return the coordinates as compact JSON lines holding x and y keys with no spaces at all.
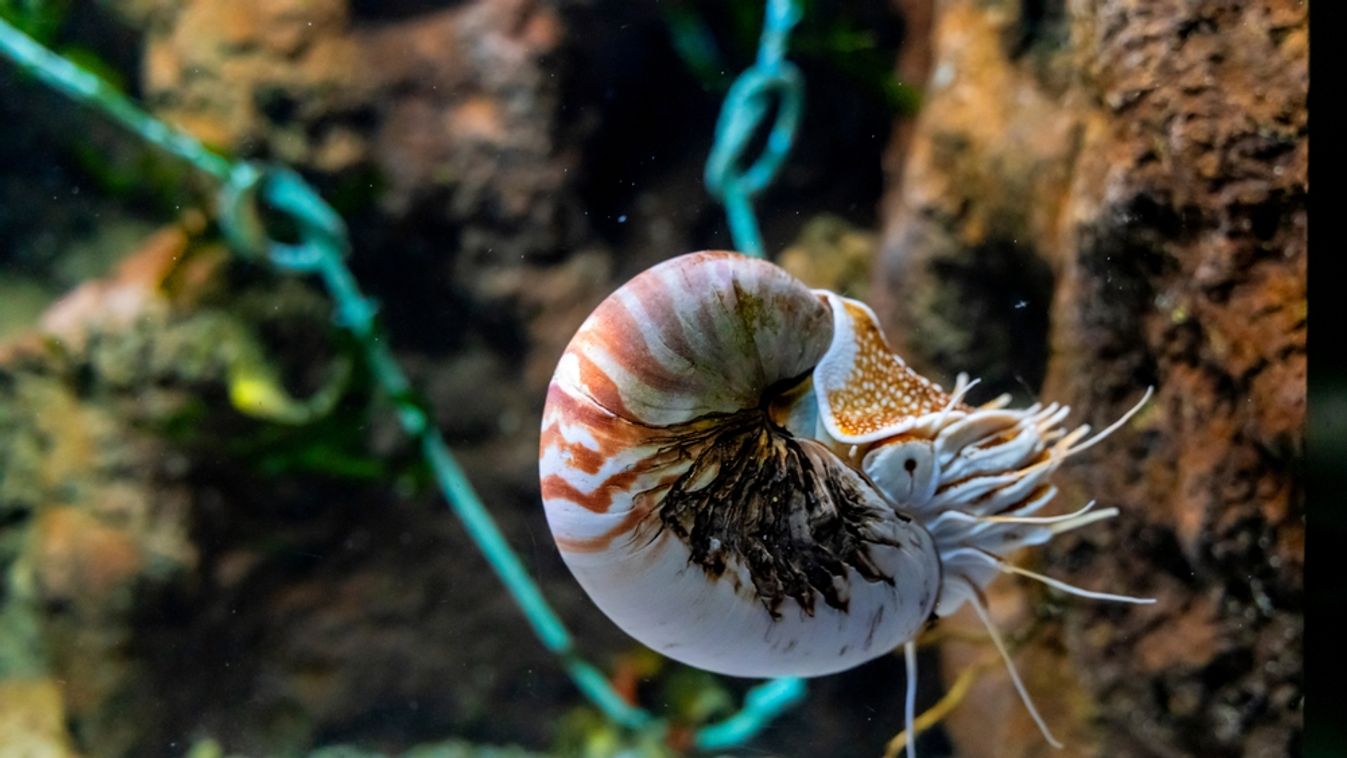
{"x":1098,"y":198}
{"x":1071,"y":199}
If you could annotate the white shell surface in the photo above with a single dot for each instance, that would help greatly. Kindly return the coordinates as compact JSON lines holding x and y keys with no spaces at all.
{"x":670,"y":606}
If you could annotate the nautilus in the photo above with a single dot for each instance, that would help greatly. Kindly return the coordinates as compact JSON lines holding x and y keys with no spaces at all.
{"x":745,"y":477}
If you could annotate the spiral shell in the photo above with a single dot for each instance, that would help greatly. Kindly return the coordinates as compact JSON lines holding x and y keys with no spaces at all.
{"x":744,"y":476}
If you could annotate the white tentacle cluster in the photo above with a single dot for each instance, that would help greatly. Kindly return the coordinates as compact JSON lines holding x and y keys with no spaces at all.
{"x":745,"y":477}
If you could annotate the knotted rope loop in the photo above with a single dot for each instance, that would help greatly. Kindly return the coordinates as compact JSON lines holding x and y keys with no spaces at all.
{"x":772,"y":80}
{"x":746,"y":105}
{"x":253,"y":192}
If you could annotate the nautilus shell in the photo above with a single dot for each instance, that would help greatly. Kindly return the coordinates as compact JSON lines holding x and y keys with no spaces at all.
{"x":745,"y":477}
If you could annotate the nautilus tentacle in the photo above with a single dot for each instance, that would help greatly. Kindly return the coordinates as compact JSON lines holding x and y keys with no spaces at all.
{"x":744,"y":476}
{"x":973,"y":477}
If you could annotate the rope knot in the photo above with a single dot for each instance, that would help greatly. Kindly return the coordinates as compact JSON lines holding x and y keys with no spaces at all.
{"x":254,"y":194}
{"x":772,"y":79}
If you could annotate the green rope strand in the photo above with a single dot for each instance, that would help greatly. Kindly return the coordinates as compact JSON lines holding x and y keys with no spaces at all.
{"x":82,"y":86}
{"x":746,"y":105}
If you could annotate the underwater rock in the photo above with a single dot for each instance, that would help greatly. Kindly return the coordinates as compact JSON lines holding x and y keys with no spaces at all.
{"x":833,"y":255}
{"x":1118,"y":199}
{"x":90,"y":530}
{"x":295,"y":579}
{"x":32,"y":719}
{"x":1065,"y":210}
{"x":116,"y":302}
{"x":258,"y":77}
{"x":443,"y":114}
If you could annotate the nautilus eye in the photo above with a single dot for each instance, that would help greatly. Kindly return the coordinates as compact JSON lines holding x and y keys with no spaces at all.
{"x":907,"y":470}
{"x":745,"y":477}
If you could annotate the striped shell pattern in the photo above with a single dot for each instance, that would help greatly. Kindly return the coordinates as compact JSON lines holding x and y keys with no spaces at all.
{"x":745,"y":477}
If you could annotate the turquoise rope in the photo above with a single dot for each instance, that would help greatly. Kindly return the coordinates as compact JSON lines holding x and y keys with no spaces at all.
{"x":322,"y":247}
{"x":320,"y":251}
{"x":762,"y":704}
{"x":78,"y":84}
{"x":746,"y":105}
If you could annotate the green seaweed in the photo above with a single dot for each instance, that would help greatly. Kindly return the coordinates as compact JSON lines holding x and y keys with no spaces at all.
{"x":332,"y":445}
{"x":39,"y":19}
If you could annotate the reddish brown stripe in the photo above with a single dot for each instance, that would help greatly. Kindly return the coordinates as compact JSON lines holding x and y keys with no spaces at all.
{"x":598,"y":501}
{"x":551,"y":435}
{"x":579,"y":457}
{"x":602,"y":541}
{"x":661,"y":307}
{"x":601,"y":387}
{"x":556,"y":488}
{"x":613,"y":438}
{"x":584,"y":459}
{"x":634,"y":353}
{"x":576,"y":411}
{"x":642,"y":505}
{"x":612,"y":434}
{"x":576,"y":455}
